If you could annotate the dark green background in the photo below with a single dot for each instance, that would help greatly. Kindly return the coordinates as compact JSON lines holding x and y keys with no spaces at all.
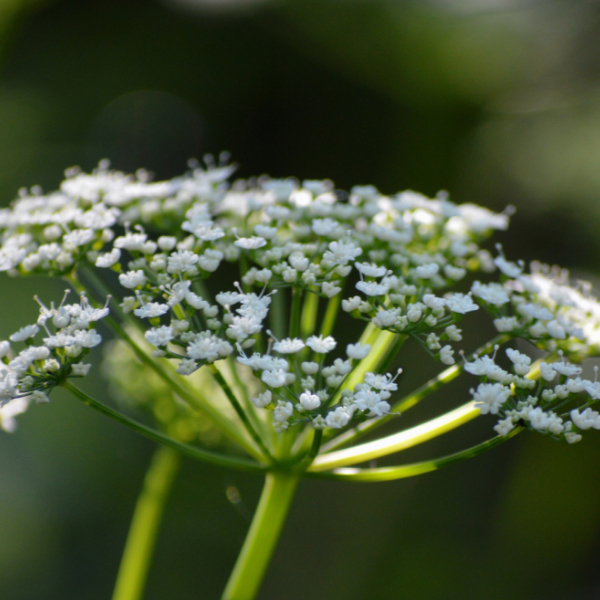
{"x":496,"y":101}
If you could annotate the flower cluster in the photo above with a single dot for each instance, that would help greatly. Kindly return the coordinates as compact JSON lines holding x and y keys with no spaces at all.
{"x":389,"y":262}
{"x":558,"y":404}
{"x":30,"y":374}
{"x":543,"y":308}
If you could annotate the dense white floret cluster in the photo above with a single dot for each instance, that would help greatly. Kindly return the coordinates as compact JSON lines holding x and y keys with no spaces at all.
{"x":387,"y":261}
{"x":549,"y":397}
{"x":28,"y":375}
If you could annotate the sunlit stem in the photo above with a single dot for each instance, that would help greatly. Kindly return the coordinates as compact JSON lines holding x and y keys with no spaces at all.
{"x":145,"y":524}
{"x":330,"y":315}
{"x":308,"y":320}
{"x":410,"y":470}
{"x":398,"y":441}
{"x":262,"y":537}
{"x":213,"y":458}
{"x":240,"y":411}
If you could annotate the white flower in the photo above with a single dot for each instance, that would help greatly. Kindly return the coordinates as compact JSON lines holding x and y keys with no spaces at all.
{"x":489,"y":397}
{"x":310,"y":368}
{"x":372,"y":288}
{"x":366,"y":399}
{"x":109,"y":258}
{"x":298,"y":261}
{"x":566,"y":368}
{"x":357,"y":351}
{"x":556,"y":330}
{"x":151,"y":310}
{"x":504,"y":426}
{"x":251,"y":243}
{"x":447,"y":355}
{"x":545,"y":421}
{"x":535,"y":311}
{"x":341,"y":253}
{"x":186,"y":367}
{"x":79,"y":237}
{"x":455,"y":273}
{"x":208,"y":347}
{"x":506,"y":324}
{"x":330,"y":289}
{"x":586,"y":419}
{"x":321,"y":345}
{"x":80,"y":369}
{"x":461,"y":303}
{"x":262,"y":400}
{"x":275,"y":378}
{"x":24,"y":333}
{"x":283,"y":411}
{"x":40,"y":397}
{"x":166,"y":242}
{"x":508,"y":268}
{"x":370,"y":269}
{"x":433,"y":302}
{"x":132,"y":279}
{"x":386,"y":318}
{"x":492,"y":293}
{"x":182,"y":261}
{"x":453,"y":333}
{"x":338,"y":418}
{"x":160,"y":336}
{"x":351,"y":304}
{"x":547,"y":371}
{"x":134,"y":242}
{"x":520,"y":361}
{"x":309,"y":401}
{"x":288,"y":346}
{"x":87,"y":339}
{"x":427,"y":271}
{"x":383,"y":383}
{"x":324,"y":226}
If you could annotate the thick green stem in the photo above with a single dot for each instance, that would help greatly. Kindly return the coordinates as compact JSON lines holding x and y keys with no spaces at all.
{"x":145,"y":525}
{"x":266,"y":526}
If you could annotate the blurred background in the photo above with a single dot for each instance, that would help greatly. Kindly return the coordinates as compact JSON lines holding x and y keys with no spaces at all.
{"x":496,"y":101}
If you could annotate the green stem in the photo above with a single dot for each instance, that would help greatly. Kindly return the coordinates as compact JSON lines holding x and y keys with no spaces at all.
{"x":240,"y":411}
{"x":145,"y":524}
{"x":213,"y":458}
{"x":262,"y":537}
{"x":309,"y":315}
{"x":398,"y":441}
{"x":390,"y":473}
{"x":331,"y":314}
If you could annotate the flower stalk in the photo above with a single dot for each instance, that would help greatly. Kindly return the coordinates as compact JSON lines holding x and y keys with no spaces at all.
{"x":145,"y":524}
